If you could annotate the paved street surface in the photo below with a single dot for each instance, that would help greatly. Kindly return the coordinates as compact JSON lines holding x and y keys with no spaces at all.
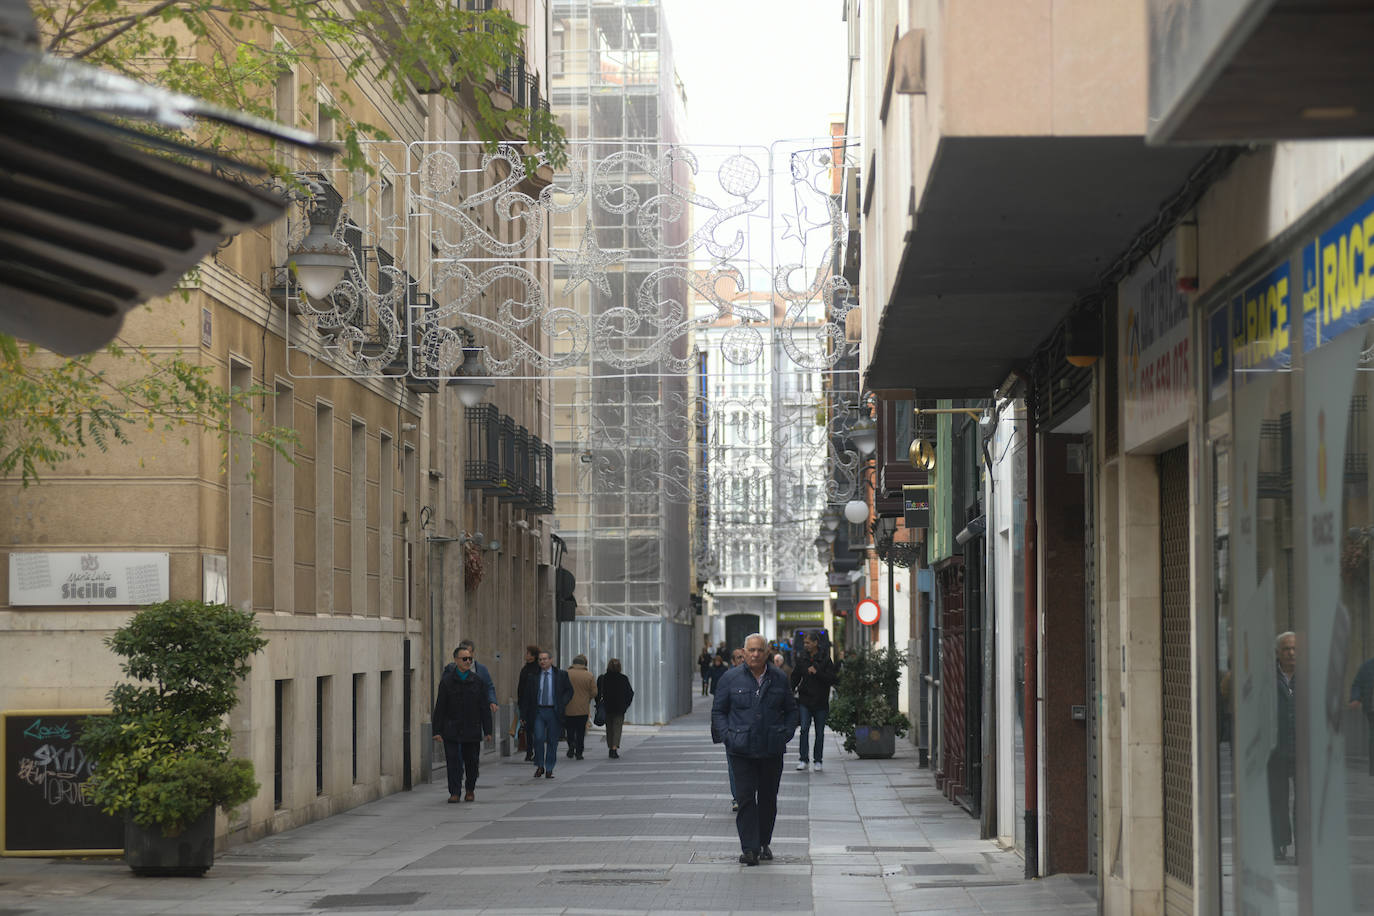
{"x":651,"y":832}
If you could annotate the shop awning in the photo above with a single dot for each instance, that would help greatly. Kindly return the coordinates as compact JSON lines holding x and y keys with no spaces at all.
{"x":1247,"y":70}
{"x":1009,"y":233}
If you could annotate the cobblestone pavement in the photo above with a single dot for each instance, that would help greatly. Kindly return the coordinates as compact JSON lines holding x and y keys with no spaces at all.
{"x":650,"y":832}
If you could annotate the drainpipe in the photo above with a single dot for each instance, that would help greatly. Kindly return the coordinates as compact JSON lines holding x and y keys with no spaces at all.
{"x":1031,"y":629}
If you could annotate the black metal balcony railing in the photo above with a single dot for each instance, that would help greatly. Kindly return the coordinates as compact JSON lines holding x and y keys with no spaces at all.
{"x":521,"y":85}
{"x":483,"y":466}
{"x":516,"y":472}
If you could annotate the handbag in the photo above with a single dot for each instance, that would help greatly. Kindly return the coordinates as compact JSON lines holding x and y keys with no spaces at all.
{"x":599,"y":717}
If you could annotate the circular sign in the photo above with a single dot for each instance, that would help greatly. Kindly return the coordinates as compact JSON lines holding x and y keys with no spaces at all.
{"x":867,"y":612}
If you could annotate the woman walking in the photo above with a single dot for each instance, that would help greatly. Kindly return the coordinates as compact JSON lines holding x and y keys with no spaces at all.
{"x":461,"y":718}
{"x":614,"y":692}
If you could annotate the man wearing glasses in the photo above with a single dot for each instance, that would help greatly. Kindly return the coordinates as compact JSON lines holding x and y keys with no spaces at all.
{"x":755,"y":715}
{"x":461,"y":718}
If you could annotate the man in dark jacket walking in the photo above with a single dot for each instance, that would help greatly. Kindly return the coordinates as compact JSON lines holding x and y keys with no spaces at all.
{"x":461,"y":718}
{"x":755,"y":715}
{"x":546,"y":704}
{"x":812,"y":679}
{"x":523,"y":685}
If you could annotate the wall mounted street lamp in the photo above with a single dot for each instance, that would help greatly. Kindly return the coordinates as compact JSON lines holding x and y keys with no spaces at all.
{"x":470,"y":378}
{"x":856,"y":511}
{"x":320,"y":260}
{"x":864,"y":435}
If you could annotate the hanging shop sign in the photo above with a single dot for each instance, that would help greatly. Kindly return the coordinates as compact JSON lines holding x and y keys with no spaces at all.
{"x":1154,"y":348}
{"x":916,"y":506}
{"x":1338,"y":277}
{"x":121,"y":579}
{"x":867,"y":612}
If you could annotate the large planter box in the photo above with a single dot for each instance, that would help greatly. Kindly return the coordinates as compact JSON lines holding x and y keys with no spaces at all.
{"x":875,"y":741}
{"x":189,"y":854}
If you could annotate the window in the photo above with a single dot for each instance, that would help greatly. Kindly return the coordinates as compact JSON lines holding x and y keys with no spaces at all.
{"x":359,"y":704}
{"x":282,"y":713}
{"x":241,"y":492}
{"x":283,"y":507}
{"x":357,"y":522}
{"x":324,"y":509}
{"x":321,"y":716}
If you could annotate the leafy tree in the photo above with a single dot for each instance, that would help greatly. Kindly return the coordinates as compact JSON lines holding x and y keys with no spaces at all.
{"x":231,"y":53}
{"x":54,"y":409}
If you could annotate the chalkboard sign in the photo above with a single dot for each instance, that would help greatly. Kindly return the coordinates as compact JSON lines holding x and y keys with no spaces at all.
{"x":44,"y":797}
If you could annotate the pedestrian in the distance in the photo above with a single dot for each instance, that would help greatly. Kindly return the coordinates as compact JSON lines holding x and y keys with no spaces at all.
{"x":584,"y":689}
{"x":523,"y":686}
{"x":461,"y":719}
{"x":812,"y":679}
{"x":704,"y":666}
{"x":755,"y":715}
{"x":615,"y":694}
{"x":713,"y":673}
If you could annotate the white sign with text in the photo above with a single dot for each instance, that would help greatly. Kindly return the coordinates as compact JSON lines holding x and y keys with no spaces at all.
{"x":88,"y":578}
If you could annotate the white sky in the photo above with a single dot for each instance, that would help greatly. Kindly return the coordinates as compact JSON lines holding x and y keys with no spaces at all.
{"x":756,"y":71}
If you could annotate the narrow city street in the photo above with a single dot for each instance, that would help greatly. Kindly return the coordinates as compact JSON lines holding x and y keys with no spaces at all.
{"x":651,"y":832}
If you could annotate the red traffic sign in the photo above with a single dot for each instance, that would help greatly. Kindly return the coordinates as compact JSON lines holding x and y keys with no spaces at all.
{"x":868,"y":612}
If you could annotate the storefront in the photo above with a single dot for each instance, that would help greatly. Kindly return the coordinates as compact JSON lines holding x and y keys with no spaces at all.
{"x":1288,"y":768}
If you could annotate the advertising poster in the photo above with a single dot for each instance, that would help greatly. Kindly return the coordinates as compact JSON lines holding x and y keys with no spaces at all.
{"x":1253,"y":666}
{"x":1322,"y":687}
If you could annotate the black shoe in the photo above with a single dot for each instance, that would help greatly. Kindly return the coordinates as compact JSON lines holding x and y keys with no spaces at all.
{"x":538,"y":771}
{"x":749,"y":857}
{"x":765,"y":854}
{"x":734,"y":806}
{"x":570,"y":754}
{"x":615,"y":753}
{"x":549,"y":775}
{"x":529,"y":757}
{"x":579,"y":755}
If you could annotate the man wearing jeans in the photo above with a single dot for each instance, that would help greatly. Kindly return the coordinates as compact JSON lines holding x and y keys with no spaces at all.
{"x":812,"y":679}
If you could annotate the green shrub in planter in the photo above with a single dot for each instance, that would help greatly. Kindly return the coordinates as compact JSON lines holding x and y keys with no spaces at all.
{"x":162,"y":757}
{"x":861,"y":695}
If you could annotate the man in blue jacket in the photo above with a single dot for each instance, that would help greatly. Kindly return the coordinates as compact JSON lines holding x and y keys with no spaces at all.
{"x":755,"y":715}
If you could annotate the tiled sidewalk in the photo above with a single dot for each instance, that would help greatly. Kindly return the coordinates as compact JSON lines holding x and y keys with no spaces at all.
{"x":651,"y":832}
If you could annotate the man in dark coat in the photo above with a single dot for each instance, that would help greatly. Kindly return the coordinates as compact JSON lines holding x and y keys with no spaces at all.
{"x":461,"y":718}
{"x":755,"y":715}
{"x":546,"y":703}
{"x":523,"y":685}
{"x":812,"y":679}
{"x":716,"y":672}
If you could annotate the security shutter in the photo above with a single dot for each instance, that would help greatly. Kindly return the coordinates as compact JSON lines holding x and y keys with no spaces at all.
{"x":1177,"y":676}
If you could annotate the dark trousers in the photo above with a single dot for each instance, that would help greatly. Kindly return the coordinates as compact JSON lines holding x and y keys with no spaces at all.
{"x":808,"y":716}
{"x":462,"y":757}
{"x":576,"y":728}
{"x":528,"y":726}
{"x":1282,"y":802}
{"x":546,"y":734}
{"x":756,"y":790}
{"x":705,"y":683}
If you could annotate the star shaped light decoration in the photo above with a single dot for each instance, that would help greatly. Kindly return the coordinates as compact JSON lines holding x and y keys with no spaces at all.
{"x":588,"y":262}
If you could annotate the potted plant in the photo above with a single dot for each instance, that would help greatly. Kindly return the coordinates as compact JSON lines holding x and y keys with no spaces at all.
{"x":864,"y":710}
{"x":162,"y":757}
